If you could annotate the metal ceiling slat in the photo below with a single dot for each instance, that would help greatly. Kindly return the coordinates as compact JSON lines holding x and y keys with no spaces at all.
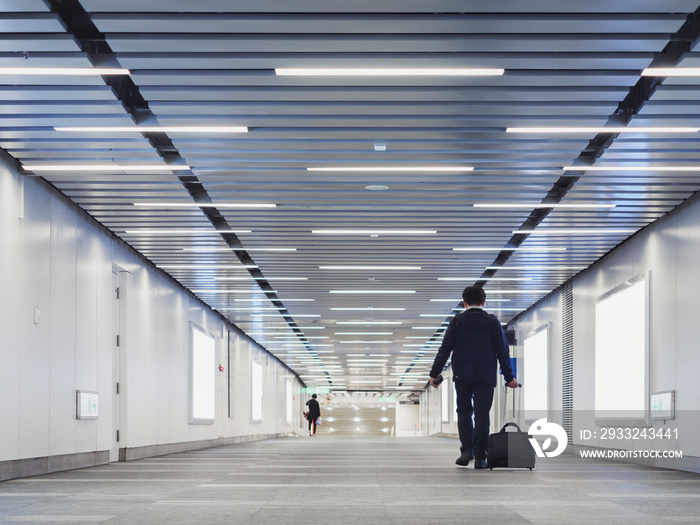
{"x":383,"y":6}
{"x":564,"y":66}
{"x":492,"y":23}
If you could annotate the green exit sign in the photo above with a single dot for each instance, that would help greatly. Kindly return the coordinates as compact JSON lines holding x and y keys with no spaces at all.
{"x":317,"y":390}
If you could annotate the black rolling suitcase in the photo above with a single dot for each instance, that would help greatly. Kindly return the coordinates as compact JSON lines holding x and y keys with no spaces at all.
{"x":510,"y":449}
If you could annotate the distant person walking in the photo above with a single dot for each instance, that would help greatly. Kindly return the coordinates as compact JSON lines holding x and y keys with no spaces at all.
{"x":313,"y":414}
{"x":476,"y":341}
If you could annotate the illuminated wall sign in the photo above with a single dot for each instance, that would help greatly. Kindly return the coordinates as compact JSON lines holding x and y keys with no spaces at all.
{"x":86,"y":404}
{"x":663,"y":405}
{"x":289,"y":399}
{"x":536,"y":374}
{"x":202,"y":377}
{"x":622,"y":354}
{"x":256,"y":392}
{"x":317,"y":390}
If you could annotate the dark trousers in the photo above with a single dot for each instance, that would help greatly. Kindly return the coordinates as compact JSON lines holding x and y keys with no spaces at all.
{"x":473,"y":437}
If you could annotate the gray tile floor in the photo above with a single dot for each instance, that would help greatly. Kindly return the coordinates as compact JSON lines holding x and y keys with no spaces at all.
{"x":339,"y":480}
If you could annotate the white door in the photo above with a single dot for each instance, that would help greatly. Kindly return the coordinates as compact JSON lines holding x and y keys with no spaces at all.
{"x":114,"y":451}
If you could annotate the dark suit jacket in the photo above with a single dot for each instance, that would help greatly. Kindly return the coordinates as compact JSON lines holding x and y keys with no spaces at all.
{"x":476,"y":341}
{"x":314,"y":410}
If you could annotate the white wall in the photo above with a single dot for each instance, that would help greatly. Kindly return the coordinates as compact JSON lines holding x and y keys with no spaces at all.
{"x":408,"y":420}
{"x":669,"y":251}
{"x":54,"y":257}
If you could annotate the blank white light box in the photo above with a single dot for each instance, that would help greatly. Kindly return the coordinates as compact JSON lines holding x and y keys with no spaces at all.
{"x":536,"y":374}
{"x":203,"y":377}
{"x":256,"y":414}
{"x":289,"y":399}
{"x":622,"y":354}
{"x":445,"y":401}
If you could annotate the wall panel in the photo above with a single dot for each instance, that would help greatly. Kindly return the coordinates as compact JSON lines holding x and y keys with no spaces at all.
{"x":35,"y":339}
{"x":9,"y":313}
{"x":60,"y":260}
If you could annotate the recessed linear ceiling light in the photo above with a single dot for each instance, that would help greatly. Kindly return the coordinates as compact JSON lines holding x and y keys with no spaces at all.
{"x":519,"y":291}
{"x":671,"y":72}
{"x":255,"y":292}
{"x":364,"y":343}
{"x":537,"y":268}
{"x":363,"y":333}
{"x":183,"y":232}
{"x":205,"y":266}
{"x":399,"y":169}
{"x":484,"y":278}
{"x":290,"y":315}
{"x":367,"y":323}
{"x":538,"y":206}
{"x":63,"y":71}
{"x":251,"y":249}
{"x":306,"y":337}
{"x":103,"y":167}
{"x":389,"y":72}
{"x":521,"y":249}
{"x":631,"y":168}
{"x":156,"y":129}
{"x":388,"y":268}
{"x":374,"y":232}
{"x":251,"y":309}
{"x":368,"y":308}
{"x":248,"y":278}
{"x":204,"y":205}
{"x":604,"y":129}
{"x":460,"y":300}
{"x":373,"y":291}
{"x":574,"y":231}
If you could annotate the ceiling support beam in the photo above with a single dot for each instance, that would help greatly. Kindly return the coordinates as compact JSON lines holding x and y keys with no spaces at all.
{"x":78,"y":23}
{"x":678,"y":46}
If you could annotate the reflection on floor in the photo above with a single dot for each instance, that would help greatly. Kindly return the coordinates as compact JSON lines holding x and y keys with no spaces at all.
{"x":344,"y":480}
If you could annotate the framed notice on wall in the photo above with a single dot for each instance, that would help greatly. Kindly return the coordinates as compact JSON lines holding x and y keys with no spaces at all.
{"x":86,"y":404}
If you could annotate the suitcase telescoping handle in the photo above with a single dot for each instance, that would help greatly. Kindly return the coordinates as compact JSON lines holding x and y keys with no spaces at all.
{"x":503,"y":430}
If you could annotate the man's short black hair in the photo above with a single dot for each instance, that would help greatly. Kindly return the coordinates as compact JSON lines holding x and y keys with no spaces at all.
{"x":313,"y":396}
{"x":473,"y":296}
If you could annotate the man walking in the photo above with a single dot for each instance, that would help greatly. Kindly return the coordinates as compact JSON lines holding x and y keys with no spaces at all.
{"x":476,"y":341}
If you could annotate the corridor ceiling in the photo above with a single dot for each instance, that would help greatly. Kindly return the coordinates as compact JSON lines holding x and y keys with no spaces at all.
{"x":376,"y":255}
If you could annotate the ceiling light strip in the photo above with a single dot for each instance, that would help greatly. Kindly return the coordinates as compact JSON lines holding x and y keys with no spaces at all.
{"x":374,"y":232}
{"x":153,"y":129}
{"x":632,"y":168}
{"x":101,"y":167}
{"x":63,"y":71}
{"x":402,"y":169}
{"x":543,"y":206}
{"x":205,"y":205}
{"x":605,"y":129}
{"x":389,"y":72}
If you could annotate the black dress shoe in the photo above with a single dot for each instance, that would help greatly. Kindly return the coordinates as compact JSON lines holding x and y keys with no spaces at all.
{"x":480,"y":464}
{"x":463,"y":460}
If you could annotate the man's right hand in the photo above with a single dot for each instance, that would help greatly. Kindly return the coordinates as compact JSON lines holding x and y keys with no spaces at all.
{"x":513,"y":383}
{"x":432,"y":382}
